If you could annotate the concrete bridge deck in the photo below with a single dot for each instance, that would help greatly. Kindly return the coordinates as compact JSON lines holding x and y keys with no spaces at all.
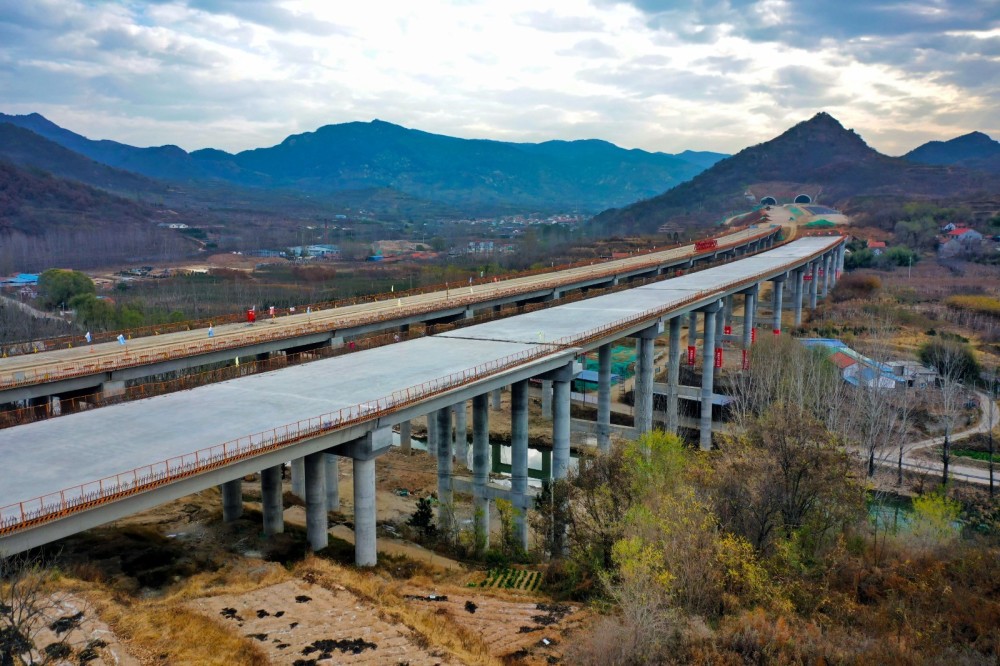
{"x":328,"y":402}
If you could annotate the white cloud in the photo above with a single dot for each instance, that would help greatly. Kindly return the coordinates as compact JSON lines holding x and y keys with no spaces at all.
{"x":711,"y":75}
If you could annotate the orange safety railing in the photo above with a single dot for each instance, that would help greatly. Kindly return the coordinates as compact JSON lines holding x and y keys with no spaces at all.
{"x":260,"y":336}
{"x":28,"y":513}
{"x":611,"y":266}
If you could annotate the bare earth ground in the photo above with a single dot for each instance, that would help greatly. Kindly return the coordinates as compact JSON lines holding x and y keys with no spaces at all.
{"x":297,"y":619}
{"x":188,"y":561}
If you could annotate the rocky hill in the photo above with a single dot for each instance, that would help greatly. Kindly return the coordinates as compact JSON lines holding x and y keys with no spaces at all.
{"x":817,"y":156}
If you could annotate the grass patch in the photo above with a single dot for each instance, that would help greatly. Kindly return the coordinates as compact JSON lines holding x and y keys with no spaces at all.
{"x":507,"y":578}
{"x":975,"y":455}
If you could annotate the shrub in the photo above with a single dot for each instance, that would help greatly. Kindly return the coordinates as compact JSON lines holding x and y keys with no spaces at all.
{"x":852,"y":287}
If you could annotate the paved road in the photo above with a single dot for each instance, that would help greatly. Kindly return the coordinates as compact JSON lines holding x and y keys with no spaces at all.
{"x":342,"y":317}
{"x":969,"y":473}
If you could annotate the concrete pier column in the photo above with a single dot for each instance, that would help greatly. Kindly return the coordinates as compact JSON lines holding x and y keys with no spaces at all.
{"x":749,"y":312}
{"x":799,"y":276}
{"x":497,"y":400}
{"x":708,"y":377}
{"x":547,"y":399}
{"x":446,"y":501}
{"x":481,"y":469}
{"x":692,"y":329}
{"x":112,"y":389}
{"x":461,"y":435}
{"x":271,"y":501}
{"x":720,"y":326}
{"x":644,"y":385}
{"x":331,"y":478}
{"x":813,"y":269}
{"x":432,"y":435}
{"x":519,"y":458}
{"x":316,"y":519}
{"x":826,"y":274}
{"x":778,"y":284}
{"x":560,"y":428}
{"x":405,"y":436}
{"x":299,"y":477}
{"x":365,"y":551}
{"x":232,"y":500}
{"x":728,"y":311}
{"x":604,"y":398}
{"x":673,"y":373}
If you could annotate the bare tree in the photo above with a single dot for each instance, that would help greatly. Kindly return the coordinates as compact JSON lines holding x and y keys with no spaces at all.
{"x":29,"y":612}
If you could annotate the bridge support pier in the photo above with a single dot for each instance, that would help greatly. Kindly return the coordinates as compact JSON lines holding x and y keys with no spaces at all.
{"x":271,"y":501}
{"x":813,"y":285}
{"x":826,"y":274}
{"x":673,"y":374}
{"x":55,"y":405}
{"x":644,"y":378}
{"x":331,"y":478}
{"x":405,"y":438}
{"x":112,"y":388}
{"x":299,"y":478}
{"x":749,"y":312}
{"x":432,"y":435}
{"x":232,"y":500}
{"x":519,"y":458}
{"x":692,"y":329}
{"x":708,"y":377}
{"x":547,"y":399}
{"x":481,"y":470}
{"x":365,"y":546}
{"x":462,"y":435}
{"x":778,"y":282}
{"x":446,"y":503}
{"x":604,"y":398}
{"x":316,"y":518}
{"x":799,"y":275}
{"x":497,"y":399}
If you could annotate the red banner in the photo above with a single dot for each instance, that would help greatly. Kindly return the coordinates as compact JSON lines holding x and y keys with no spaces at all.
{"x":679,"y":273}
{"x":691,"y":354}
{"x":746,"y":360}
{"x":808,"y":277}
{"x":727,"y":330}
{"x":753,"y":335}
{"x":777,"y":331}
{"x":718,"y":357}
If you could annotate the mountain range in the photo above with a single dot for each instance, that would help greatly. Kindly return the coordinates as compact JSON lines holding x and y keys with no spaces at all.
{"x":817,"y":157}
{"x":469,"y":174}
{"x":401,"y":173}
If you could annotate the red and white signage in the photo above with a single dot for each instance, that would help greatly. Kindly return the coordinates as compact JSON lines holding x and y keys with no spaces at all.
{"x":691,"y":354}
{"x":718,"y":357}
{"x":728,"y":330}
{"x":746,"y":360}
{"x":753,"y":335}
{"x":777,"y":331}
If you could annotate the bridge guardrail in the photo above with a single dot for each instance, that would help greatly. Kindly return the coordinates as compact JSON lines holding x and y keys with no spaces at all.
{"x":29,"y":513}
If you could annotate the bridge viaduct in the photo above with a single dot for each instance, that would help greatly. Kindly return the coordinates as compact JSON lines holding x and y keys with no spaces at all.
{"x":65,"y":475}
{"x":107,"y":367}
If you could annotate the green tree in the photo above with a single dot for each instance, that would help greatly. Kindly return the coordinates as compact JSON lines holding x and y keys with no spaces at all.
{"x":951,"y":357}
{"x":57,"y":286}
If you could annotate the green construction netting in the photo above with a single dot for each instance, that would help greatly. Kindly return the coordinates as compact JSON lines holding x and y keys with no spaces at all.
{"x":622,"y":361}
{"x":820,"y":224}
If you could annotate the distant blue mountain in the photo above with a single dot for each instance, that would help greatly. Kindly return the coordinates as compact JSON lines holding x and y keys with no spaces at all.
{"x":972,"y":151}
{"x":587,"y":175}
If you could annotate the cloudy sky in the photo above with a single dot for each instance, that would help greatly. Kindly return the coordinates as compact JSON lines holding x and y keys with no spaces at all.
{"x":654,"y":74}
